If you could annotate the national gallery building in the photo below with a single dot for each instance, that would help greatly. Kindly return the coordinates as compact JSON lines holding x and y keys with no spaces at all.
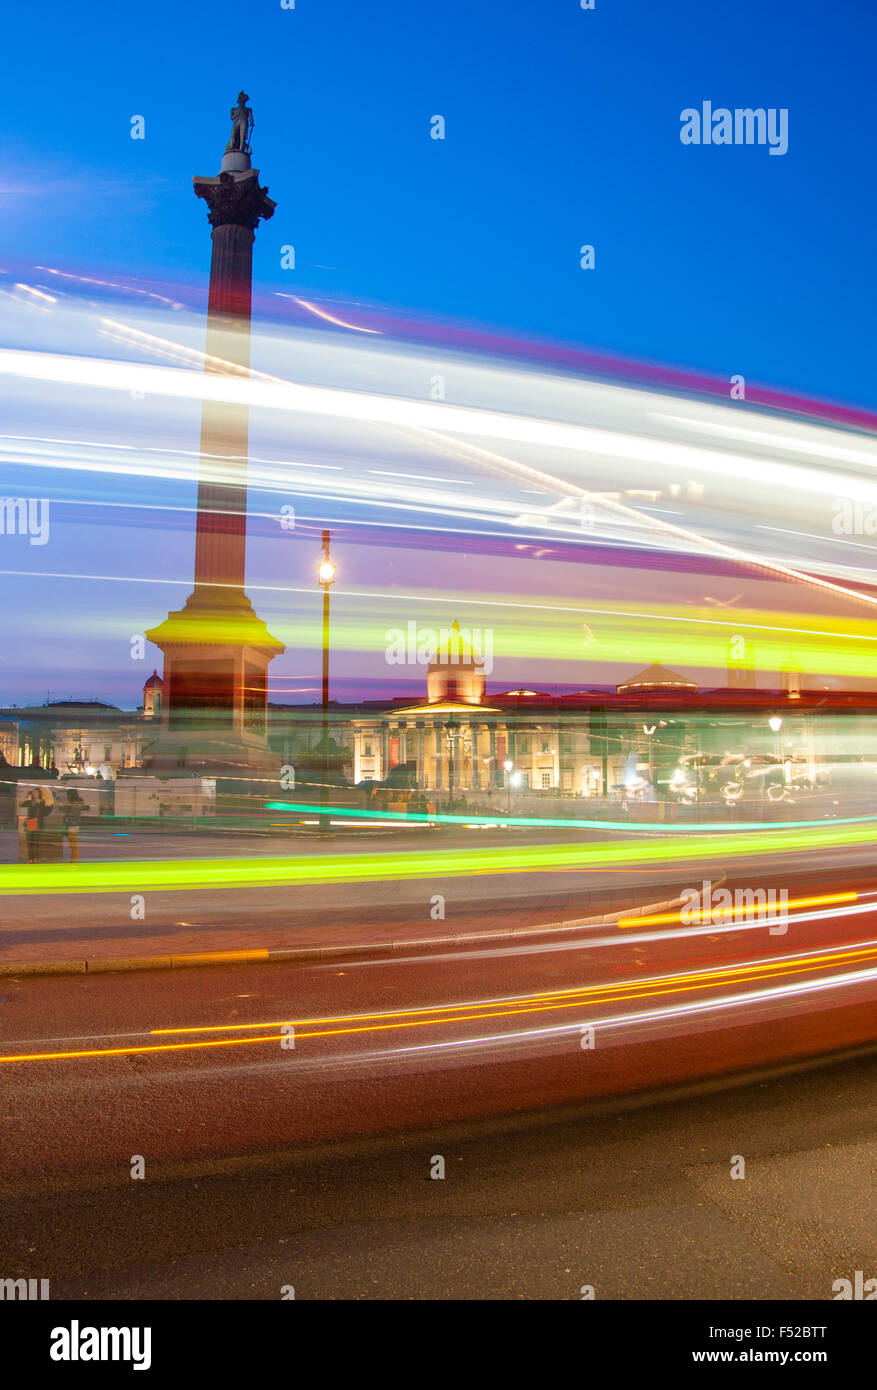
{"x":457,"y":740}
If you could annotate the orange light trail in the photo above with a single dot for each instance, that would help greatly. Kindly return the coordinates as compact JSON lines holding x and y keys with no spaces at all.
{"x":751,"y":912}
{"x":448,"y":1014}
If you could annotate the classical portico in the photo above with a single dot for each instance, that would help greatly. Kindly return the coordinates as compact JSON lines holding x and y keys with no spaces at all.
{"x":454,"y":740}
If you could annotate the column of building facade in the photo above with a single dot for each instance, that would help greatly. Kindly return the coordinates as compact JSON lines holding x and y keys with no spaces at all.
{"x":391,"y":731}
{"x":385,"y":751}
{"x":421,"y":770}
{"x":357,"y":754}
{"x":478,"y":732}
{"x":474,"y":764}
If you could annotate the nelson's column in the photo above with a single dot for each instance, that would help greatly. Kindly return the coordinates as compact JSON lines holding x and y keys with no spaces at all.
{"x":216,"y":650}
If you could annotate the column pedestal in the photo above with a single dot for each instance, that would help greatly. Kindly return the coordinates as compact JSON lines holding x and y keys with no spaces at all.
{"x":215,"y":679}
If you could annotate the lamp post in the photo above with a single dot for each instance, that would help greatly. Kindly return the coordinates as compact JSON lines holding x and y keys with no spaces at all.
{"x":452,"y":733}
{"x":776,"y":725}
{"x":326,"y":576}
{"x":648,"y":730}
{"x":508,"y":765}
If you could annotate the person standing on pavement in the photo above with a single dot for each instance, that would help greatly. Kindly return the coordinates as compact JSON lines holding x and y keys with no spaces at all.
{"x":72,"y":819}
{"x":36,"y":808}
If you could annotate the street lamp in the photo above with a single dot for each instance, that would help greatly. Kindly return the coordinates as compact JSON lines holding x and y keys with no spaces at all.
{"x":507,"y":766}
{"x":776,"y":724}
{"x":648,"y":730}
{"x":452,"y":733}
{"x":326,"y":577}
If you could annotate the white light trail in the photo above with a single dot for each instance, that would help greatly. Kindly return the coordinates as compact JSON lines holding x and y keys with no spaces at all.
{"x":441,"y":422}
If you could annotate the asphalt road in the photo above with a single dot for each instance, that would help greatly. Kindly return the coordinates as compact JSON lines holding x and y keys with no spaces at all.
{"x":58,"y":926}
{"x":636,"y":1203}
{"x":267,"y":1164}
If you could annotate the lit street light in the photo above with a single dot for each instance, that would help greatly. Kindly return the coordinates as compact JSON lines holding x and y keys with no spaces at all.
{"x":452,"y":733}
{"x":508,"y":765}
{"x":776,"y":725}
{"x":326,"y":576}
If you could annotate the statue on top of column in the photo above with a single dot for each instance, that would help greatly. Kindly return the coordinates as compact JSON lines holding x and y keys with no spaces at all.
{"x":242,"y":123}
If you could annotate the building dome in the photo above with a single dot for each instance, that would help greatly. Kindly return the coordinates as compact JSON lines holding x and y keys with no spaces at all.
{"x":153,"y":691}
{"x":456,"y":671}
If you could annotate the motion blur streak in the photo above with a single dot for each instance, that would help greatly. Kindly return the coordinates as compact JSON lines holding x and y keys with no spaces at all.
{"x":745,"y":913}
{"x":444,"y":429}
{"x":556,"y":822}
{"x":568,"y":936}
{"x":163,"y":875}
{"x":548,"y":1002}
{"x":324,"y":314}
{"x":638,"y":1019}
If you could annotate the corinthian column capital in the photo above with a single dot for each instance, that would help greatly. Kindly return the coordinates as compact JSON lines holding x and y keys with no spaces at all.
{"x":235,"y":199}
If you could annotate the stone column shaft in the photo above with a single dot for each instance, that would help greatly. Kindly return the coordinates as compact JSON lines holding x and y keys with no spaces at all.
{"x":236,"y":205}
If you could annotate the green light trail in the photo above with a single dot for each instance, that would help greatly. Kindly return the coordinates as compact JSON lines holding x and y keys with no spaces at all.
{"x":554,"y":823}
{"x":166,"y":875}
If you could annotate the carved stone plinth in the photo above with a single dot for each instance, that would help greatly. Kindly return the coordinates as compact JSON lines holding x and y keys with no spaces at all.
{"x":216,"y":657}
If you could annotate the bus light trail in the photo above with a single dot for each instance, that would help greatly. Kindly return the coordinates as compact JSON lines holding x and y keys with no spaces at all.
{"x":114,"y":876}
{"x":750,"y":972}
{"x":749,"y":912}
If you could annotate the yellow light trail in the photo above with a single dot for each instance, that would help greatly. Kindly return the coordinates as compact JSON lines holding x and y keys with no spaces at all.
{"x":522,"y":1003}
{"x":553,"y":1001}
{"x":748,"y":913}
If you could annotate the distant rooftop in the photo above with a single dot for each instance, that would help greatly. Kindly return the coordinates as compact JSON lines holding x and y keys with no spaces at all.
{"x":656,"y":677}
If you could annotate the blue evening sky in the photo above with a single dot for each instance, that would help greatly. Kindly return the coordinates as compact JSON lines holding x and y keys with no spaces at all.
{"x":562,"y":128}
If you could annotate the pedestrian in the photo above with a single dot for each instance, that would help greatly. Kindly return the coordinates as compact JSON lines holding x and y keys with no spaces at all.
{"x":72,"y":819}
{"x":37,"y":808}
